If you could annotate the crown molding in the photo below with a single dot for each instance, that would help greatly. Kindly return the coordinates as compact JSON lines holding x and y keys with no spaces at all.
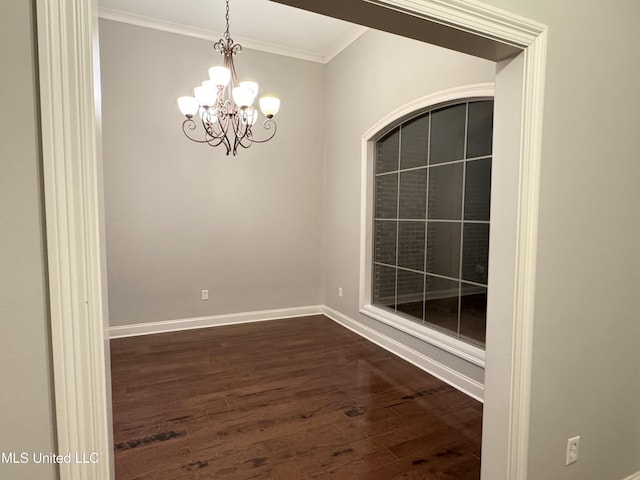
{"x":351,"y":36}
{"x":210,"y":35}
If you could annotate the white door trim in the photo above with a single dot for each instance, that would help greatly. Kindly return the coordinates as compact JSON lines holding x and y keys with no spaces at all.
{"x":71,"y":165}
{"x":67,"y":41}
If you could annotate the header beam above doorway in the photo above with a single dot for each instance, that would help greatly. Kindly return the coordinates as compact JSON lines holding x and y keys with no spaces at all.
{"x":399,"y":19}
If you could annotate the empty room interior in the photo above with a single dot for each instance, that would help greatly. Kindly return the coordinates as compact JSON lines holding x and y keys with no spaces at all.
{"x":199,"y":238}
{"x":390,"y":239}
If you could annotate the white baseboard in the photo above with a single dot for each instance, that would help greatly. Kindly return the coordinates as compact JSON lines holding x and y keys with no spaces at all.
{"x":211,"y":321}
{"x":635,"y":476}
{"x":463,"y":383}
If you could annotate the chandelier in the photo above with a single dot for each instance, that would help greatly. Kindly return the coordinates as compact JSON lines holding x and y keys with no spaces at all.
{"x":224,"y":107}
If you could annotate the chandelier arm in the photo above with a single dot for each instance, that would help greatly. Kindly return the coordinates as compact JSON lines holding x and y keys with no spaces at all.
{"x":214,"y":137}
{"x":268,"y":124}
{"x":221,"y":130}
{"x":190,"y":124}
{"x":240,"y":143}
{"x":237,"y":133}
{"x":227,"y":145}
{"x":216,"y":129}
{"x":212,"y":140}
{"x":223,"y":122}
{"x":212,"y":133}
{"x":218,"y":137}
{"x":236,"y":125}
{"x":209,"y":129}
{"x":247,"y":134}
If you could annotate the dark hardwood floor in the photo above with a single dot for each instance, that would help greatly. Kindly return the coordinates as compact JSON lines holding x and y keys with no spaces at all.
{"x":300,"y":398}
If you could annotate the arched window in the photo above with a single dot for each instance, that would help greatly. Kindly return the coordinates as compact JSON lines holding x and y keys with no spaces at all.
{"x":430,"y":218}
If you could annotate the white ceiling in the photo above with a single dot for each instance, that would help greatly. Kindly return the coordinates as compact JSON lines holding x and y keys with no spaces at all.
{"x":257,"y":24}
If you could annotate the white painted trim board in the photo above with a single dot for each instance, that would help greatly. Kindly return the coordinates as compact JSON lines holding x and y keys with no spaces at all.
{"x":69,"y":94}
{"x":166,"y":326}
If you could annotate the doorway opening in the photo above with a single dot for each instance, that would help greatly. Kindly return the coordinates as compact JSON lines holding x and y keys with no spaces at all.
{"x":72,"y":173}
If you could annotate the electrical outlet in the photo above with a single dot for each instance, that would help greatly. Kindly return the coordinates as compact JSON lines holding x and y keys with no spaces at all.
{"x":572,"y":449}
{"x":205,"y":294}
{"x":340,"y":291}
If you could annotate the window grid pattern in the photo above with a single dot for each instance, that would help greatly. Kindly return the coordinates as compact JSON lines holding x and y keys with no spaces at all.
{"x":432,"y":218}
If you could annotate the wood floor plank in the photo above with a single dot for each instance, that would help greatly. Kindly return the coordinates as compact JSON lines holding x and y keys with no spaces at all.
{"x":297,"y":399}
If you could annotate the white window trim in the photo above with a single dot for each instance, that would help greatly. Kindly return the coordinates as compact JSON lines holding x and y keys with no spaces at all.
{"x":445,"y":342}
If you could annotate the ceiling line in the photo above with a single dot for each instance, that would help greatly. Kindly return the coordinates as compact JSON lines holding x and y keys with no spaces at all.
{"x":210,"y":35}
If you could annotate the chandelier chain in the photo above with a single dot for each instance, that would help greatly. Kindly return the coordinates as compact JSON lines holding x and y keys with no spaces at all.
{"x":227,"y":36}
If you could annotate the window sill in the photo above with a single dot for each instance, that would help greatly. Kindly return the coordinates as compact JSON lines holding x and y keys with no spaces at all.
{"x":461,"y":349}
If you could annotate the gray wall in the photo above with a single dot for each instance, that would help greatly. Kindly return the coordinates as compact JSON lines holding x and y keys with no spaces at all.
{"x":182,"y":217}
{"x":365,"y":82}
{"x":26,"y":418}
{"x":587,"y":314}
